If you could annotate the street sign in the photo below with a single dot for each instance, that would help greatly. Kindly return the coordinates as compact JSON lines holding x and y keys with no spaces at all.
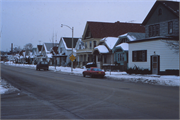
{"x":72,"y":58}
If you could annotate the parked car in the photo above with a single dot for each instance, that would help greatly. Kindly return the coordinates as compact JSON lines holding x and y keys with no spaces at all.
{"x":42,"y":65}
{"x":94,"y":72}
{"x":91,"y":64}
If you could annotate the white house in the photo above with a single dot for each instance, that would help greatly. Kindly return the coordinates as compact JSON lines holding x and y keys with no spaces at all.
{"x":65,"y":50}
{"x":155,"y":55}
{"x":103,"y":52}
{"x":46,"y":51}
{"x":159,"y":51}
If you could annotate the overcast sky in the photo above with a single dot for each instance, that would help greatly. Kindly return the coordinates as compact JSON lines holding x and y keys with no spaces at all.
{"x":31,"y":21}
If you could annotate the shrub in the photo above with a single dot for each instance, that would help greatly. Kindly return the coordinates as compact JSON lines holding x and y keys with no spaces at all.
{"x":137,"y":70}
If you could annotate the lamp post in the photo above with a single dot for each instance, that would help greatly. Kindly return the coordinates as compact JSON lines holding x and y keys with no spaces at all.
{"x":72,"y":43}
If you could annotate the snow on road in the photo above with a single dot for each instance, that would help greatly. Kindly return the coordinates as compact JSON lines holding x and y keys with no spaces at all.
{"x":165,"y":80}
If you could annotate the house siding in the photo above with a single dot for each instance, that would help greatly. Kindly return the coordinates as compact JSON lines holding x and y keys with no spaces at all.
{"x":168,"y":58}
{"x":164,"y":28}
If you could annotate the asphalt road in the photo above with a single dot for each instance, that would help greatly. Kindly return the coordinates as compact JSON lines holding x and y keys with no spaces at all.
{"x":55,"y":95}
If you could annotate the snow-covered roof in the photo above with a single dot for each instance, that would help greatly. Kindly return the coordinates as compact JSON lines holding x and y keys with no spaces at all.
{"x":110,"y":41}
{"x":49,"y":55}
{"x":101,"y":49}
{"x":124,"y":46}
{"x":132,"y":36}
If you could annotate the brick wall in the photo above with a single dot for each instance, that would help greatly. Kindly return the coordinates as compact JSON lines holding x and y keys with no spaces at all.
{"x":164,"y":28}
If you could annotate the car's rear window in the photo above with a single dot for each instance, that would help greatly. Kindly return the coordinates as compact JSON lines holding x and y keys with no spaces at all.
{"x":96,"y":69}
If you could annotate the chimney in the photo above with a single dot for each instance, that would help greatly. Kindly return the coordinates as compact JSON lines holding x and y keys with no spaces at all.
{"x":11,"y":47}
{"x":117,"y":22}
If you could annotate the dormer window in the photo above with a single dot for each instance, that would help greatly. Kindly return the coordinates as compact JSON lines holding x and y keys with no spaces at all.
{"x":160,"y":11}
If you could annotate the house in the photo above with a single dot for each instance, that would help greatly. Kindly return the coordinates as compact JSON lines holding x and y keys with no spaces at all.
{"x":45,"y":51}
{"x":55,"y":54}
{"x":37,"y":53}
{"x":121,"y":49}
{"x":159,"y":51}
{"x":65,"y":50}
{"x":95,"y":31}
{"x":79,"y":49}
{"x":103,"y":52}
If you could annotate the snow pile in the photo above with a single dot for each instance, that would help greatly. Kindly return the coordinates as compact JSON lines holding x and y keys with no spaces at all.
{"x":123,"y":76}
{"x":156,"y":80}
{"x":6,"y":87}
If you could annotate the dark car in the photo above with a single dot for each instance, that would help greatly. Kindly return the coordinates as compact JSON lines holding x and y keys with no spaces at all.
{"x":94,"y":72}
{"x":91,"y":64}
{"x":42,"y":65}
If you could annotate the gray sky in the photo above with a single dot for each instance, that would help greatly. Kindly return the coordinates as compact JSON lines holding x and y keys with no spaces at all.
{"x":31,"y":21}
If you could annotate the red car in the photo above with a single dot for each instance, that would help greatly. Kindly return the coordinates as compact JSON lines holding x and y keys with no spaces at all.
{"x":94,"y":71}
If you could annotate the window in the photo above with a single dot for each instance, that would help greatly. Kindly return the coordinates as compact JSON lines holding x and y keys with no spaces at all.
{"x":84,"y":58}
{"x":94,"y":43}
{"x":160,"y":11}
{"x":60,"y":50}
{"x":124,"y":40}
{"x":79,"y":46}
{"x":105,"y":58}
{"x":170,"y":27}
{"x":90,"y":44}
{"x":81,"y":58}
{"x":99,"y":57}
{"x":85,"y":44}
{"x":139,"y":56}
{"x":154,"y":30}
{"x":121,"y":57}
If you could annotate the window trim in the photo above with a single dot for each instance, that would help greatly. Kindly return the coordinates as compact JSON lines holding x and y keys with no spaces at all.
{"x":169,"y":27}
{"x":137,"y":53}
{"x":90,"y":44}
{"x":160,"y":11}
{"x":154,"y":30}
{"x":94,"y":44}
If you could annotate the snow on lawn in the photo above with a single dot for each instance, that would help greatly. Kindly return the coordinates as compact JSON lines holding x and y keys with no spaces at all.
{"x":165,"y":80}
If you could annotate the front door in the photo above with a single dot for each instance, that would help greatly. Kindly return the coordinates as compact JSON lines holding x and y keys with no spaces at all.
{"x":155,"y":64}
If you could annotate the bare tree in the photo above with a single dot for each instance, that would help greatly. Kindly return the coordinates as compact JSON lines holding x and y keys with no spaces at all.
{"x":17,"y":49}
{"x":173,"y":45}
{"x":28,"y":47}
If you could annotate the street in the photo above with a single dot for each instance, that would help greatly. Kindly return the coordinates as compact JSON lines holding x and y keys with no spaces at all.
{"x":55,"y":95}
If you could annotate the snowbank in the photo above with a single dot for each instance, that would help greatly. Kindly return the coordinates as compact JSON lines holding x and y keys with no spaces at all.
{"x":165,"y":80}
{"x":6,"y":87}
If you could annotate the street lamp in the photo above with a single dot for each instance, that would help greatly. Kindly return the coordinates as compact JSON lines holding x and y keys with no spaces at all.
{"x":72,"y":43}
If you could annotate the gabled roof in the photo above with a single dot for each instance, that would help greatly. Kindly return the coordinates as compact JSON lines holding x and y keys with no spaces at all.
{"x":68,"y":41}
{"x":101,"y":49}
{"x":110,"y":41}
{"x":124,"y":46}
{"x":50,"y":45}
{"x":105,"y":29}
{"x":54,"y":50}
{"x":131,"y":36}
{"x":39,"y":47}
{"x":79,"y":42}
{"x":171,"y":5}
